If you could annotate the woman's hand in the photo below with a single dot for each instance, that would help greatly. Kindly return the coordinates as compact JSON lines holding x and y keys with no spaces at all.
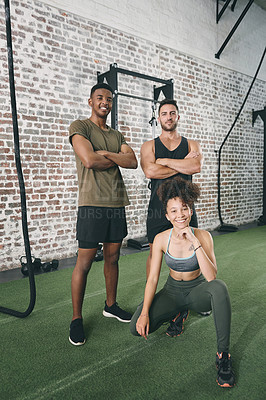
{"x":142,"y":325}
{"x":187,"y":233}
{"x":204,"y":248}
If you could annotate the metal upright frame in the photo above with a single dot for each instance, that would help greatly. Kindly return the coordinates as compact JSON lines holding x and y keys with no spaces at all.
{"x":226,"y":227}
{"x":262,"y":114}
{"x":111,"y":78}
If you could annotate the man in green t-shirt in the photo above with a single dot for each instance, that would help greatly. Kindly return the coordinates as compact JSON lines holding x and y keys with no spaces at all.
{"x":99,"y":151}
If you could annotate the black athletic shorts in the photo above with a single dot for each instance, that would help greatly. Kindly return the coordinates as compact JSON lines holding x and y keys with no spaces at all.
{"x":100,"y":225}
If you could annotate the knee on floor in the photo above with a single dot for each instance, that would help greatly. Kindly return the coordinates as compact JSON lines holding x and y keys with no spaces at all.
{"x":133,"y":329}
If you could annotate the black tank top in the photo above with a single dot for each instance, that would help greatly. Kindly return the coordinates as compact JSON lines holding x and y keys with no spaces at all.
{"x":161,"y":151}
{"x":156,"y":220}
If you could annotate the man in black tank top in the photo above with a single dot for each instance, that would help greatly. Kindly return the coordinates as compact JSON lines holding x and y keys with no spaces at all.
{"x":165,"y":157}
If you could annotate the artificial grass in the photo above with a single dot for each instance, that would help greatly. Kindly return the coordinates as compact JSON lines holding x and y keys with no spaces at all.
{"x":38,"y":362}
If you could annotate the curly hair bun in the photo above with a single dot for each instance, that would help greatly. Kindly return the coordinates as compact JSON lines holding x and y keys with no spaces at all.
{"x":178,"y":187}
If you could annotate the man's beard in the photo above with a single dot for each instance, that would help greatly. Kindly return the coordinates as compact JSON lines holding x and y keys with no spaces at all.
{"x":169,"y":128}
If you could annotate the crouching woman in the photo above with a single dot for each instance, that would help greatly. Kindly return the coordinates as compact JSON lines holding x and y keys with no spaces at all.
{"x":192,"y":282}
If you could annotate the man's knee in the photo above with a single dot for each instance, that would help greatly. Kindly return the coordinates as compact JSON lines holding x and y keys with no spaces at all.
{"x":85,"y":259}
{"x":112,"y":258}
{"x":111,"y":253}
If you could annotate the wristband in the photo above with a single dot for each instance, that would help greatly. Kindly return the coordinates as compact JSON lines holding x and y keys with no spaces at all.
{"x":197,"y":247}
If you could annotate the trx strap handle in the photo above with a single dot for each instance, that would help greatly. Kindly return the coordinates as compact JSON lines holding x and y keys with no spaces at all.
{"x":19,"y":172}
{"x":153,"y":121}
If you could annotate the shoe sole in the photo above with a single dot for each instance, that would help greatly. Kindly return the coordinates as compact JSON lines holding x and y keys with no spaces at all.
{"x":168,"y":334}
{"x":109,"y":315}
{"x":78,"y":343}
{"x":225,"y":384}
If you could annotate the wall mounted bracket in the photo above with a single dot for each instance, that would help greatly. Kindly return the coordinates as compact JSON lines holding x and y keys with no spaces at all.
{"x":262,"y":114}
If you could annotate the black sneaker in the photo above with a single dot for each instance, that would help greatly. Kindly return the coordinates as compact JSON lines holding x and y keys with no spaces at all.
{"x":176,"y":326}
{"x":225,"y":377}
{"x":76,"y":334}
{"x":116,"y":312}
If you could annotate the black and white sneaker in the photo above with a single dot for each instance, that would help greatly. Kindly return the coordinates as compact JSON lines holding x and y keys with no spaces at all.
{"x":225,"y":377}
{"x":116,"y":312}
{"x":205,"y":313}
{"x":76,"y":333}
{"x":176,"y":326}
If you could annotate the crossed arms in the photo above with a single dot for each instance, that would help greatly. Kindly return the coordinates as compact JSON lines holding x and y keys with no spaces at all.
{"x":154,"y":169}
{"x":165,"y":167}
{"x":102,"y":159}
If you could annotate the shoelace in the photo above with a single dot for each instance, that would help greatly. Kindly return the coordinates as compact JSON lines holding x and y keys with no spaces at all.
{"x":225,"y":363}
{"x":175,"y":327}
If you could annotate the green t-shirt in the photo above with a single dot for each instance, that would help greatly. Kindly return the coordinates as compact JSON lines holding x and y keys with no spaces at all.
{"x":99,"y":188}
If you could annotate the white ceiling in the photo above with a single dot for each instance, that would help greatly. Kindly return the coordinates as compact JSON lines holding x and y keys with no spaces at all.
{"x":261,"y":3}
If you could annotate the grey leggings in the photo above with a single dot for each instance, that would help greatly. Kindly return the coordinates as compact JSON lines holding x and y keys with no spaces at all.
{"x":197,"y":295}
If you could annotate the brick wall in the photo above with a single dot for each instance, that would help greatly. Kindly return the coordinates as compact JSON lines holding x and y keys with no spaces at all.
{"x":56,"y":56}
{"x":188,"y":26}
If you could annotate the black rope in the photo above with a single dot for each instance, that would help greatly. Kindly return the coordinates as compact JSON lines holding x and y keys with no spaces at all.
{"x":19,"y":172}
{"x":226,"y":137}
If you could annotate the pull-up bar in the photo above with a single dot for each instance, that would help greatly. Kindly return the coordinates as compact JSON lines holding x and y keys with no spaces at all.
{"x":134,"y":97}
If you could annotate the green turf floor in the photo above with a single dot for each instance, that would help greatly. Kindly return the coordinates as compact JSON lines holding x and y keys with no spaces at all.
{"x":38,"y":362}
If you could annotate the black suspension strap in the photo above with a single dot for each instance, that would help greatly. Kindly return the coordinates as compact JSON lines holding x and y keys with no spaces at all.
{"x":19,"y":172}
{"x":153,"y":121}
{"x":223,"y":226}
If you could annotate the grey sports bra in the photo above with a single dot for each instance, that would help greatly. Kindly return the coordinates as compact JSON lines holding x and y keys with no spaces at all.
{"x":186,"y":264}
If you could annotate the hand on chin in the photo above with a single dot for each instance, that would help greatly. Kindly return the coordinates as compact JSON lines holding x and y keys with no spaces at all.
{"x":182,"y":233}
